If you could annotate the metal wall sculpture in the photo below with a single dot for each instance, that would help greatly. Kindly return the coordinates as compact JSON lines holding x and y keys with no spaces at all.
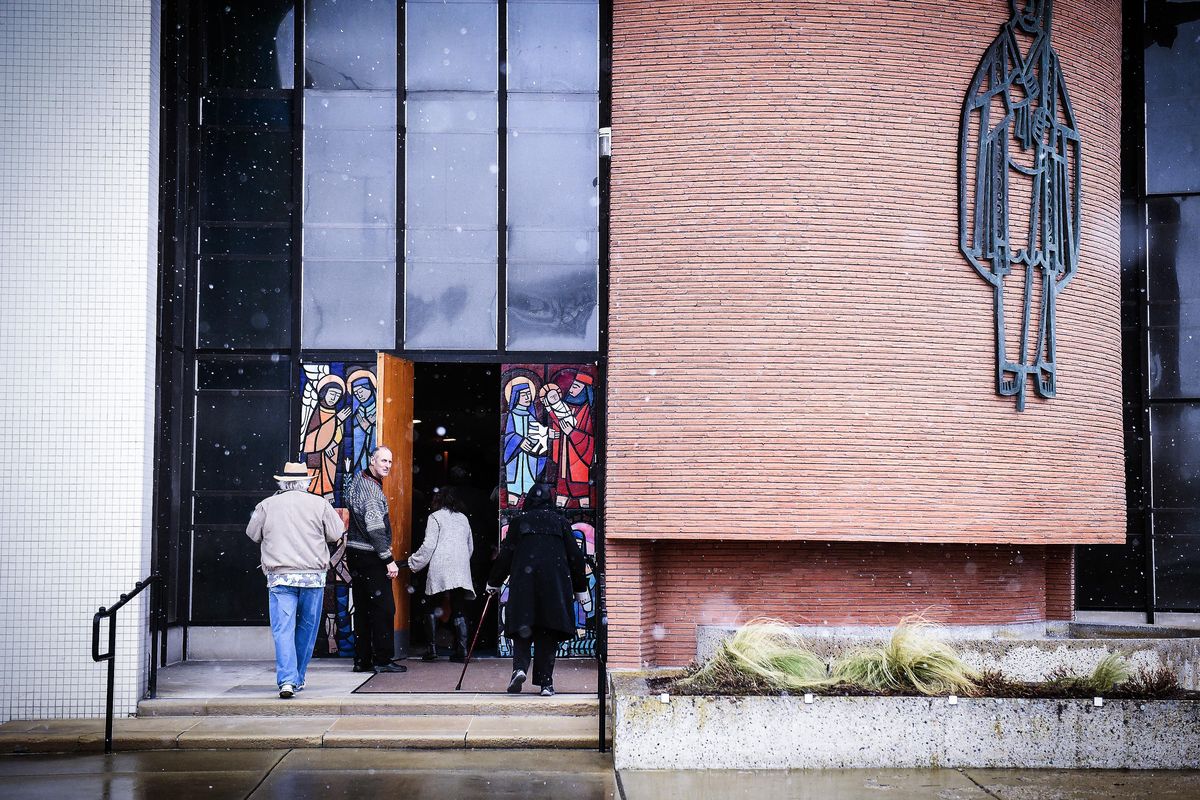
{"x":547,"y":435}
{"x":1019,"y":194}
{"x":337,"y":434}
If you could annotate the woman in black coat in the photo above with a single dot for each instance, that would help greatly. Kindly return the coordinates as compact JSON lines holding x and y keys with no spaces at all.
{"x":545,"y":572}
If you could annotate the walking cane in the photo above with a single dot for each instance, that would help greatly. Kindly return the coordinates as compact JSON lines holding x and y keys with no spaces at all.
{"x":478,"y":628}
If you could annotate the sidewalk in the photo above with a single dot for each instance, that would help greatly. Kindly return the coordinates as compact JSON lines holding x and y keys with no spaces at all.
{"x":531,"y":775}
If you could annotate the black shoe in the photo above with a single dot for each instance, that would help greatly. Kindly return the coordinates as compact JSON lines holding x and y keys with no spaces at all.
{"x":390,"y":668}
{"x":518,"y":679}
{"x":459,"y":658}
{"x":430,"y":655}
{"x":548,"y":690}
{"x":363,"y":668}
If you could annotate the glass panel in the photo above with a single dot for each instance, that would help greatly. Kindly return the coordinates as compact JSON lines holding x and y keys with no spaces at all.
{"x":349,"y":304}
{"x":244,"y":374}
{"x":1178,"y":523}
{"x":554,"y":246}
{"x":350,"y":158}
{"x":1173,"y":260}
{"x":350,"y":242}
{"x":243,"y":240}
{"x":224,"y":509}
{"x":450,"y":306}
{"x":1111,"y":576}
{"x":241,"y":440}
{"x":1177,"y":572}
{"x":450,"y":46}
{"x":247,"y":175}
{"x":552,"y":307}
{"x":553,"y":177}
{"x":1172,"y":98}
{"x":244,"y":304}
{"x":227,"y":584}
{"x":451,"y":245}
{"x":350,"y":220}
{"x":350,"y":45}
{"x":1175,"y":448}
{"x":255,"y":112}
{"x":451,"y":180}
{"x":553,"y":47}
{"x":249,"y":45}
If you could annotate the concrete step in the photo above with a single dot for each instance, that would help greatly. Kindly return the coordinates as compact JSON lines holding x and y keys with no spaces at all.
{"x":425,"y":731}
{"x":266,"y":704}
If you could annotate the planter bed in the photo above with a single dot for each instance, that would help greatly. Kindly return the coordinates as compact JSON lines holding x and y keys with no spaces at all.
{"x":785,"y":732}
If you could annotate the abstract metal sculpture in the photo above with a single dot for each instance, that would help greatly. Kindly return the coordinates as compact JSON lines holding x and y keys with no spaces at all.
{"x":1019,"y":193}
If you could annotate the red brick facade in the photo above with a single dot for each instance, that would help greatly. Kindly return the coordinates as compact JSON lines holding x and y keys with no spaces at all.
{"x":799,"y":354}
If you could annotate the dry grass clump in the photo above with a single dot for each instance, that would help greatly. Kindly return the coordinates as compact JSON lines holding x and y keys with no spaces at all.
{"x":760,"y":657}
{"x":911,"y":661}
{"x":1112,"y":670}
{"x":1153,"y":683}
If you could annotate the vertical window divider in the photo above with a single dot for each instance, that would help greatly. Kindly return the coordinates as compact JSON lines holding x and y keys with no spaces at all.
{"x":297,"y":259}
{"x":401,"y":133}
{"x":502,"y":176}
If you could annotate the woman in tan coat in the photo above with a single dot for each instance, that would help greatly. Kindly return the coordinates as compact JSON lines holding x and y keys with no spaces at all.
{"x":446,"y":552}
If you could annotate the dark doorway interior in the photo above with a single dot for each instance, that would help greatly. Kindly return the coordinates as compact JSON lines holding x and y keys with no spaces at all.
{"x":457,"y":443}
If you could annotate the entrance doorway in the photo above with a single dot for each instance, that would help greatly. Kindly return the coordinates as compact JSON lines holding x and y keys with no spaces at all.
{"x":456,"y":410}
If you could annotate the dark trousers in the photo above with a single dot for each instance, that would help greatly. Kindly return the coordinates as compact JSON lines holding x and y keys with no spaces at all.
{"x":544,"y":647}
{"x":374,"y":609}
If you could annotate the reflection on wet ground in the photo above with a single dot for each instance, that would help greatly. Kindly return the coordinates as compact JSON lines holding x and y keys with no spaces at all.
{"x":531,"y":775}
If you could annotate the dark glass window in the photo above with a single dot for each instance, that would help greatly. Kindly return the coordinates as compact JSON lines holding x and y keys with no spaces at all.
{"x":1175,"y":447}
{"x":243,"y":374}
{"x":1113,"y":576}
{"x":1176,"y":565}
{"x":249,"y":44}
{"x":1173,"y":265}
{"x":241,"y":440}
{"x":246,"y":175}
{"x":227,"y":584}
{"x":244,"y":304}
{"x":1172,"y":97}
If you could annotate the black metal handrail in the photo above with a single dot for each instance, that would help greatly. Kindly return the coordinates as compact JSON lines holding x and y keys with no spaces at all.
{"x":110,"y":656}
{"x":601,"y":650}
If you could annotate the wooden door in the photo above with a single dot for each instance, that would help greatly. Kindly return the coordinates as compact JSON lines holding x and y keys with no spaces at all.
{"x":395,"y":431}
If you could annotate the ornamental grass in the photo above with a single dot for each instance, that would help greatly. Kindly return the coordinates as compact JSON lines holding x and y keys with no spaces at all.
{"x":762,"y":656}
{"x":912,"y":660}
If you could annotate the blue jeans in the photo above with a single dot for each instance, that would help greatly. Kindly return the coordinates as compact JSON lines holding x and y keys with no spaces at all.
{"x":295,"y":618}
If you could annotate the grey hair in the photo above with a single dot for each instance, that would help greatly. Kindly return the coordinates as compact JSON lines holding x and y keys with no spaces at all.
{"x":288,"y":486}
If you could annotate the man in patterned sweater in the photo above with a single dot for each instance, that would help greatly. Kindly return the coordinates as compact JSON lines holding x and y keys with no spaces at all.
{"x":372,"y":568}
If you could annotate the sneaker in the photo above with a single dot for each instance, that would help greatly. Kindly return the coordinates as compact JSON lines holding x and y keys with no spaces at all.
{"x":517,"y":680}
{"x":547,"y":691}
{"x":390,"y":668}
{"x":299,"y":687}
{"x":286,"y":691}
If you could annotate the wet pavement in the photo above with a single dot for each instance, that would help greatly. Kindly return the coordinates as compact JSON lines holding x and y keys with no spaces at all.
{"x":531,"y":775}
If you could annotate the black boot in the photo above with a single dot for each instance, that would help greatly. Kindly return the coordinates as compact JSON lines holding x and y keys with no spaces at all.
{"x":431,"y":631}
{"x":460,"y":638}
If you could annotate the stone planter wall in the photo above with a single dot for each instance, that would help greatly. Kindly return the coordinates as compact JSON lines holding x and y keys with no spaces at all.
{"x":897,"y":732}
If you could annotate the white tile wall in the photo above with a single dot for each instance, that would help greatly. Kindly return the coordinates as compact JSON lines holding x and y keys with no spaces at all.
{"x":78,"y":215}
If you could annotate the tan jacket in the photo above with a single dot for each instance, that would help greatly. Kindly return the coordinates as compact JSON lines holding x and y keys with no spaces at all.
{"x":293,"y":528}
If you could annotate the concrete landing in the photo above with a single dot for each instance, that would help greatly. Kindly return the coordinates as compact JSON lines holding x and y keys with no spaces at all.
{"x":235,"y":705}
{"x":427,"y":731}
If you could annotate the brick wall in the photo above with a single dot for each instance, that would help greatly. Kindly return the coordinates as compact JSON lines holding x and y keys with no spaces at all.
{"x":825,"y":583}
{"x":798,"y":350}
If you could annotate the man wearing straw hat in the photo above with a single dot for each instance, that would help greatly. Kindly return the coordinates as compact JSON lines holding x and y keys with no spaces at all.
{"x":293,"y":529}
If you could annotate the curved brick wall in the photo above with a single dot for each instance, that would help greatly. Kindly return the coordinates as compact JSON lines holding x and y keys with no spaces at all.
{"x":799,"y":352}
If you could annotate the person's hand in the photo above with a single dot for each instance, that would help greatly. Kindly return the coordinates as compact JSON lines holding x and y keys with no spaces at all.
{"x":344,"y":413}
{"x":492,"y":589}
{"x":392,"y":570}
